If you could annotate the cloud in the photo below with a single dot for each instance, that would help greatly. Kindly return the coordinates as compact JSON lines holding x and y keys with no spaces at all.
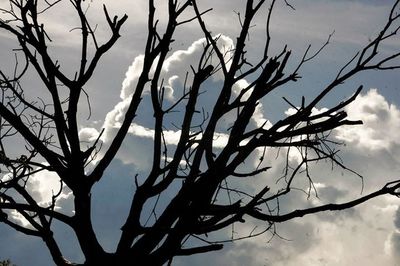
{"x":176,"y":66}
{"x":88,"y":134}
{"x":42,"y":186}
{"x":316,"y":240}
{"x":381,"y":123}
{"x":131,"y":77}
{"x":176,"y":71}
{"x":392,"y":244}
{"x":367,"y":235}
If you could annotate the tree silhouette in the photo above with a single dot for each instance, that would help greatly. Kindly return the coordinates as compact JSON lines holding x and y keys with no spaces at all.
{"x":199,"y":173}
{"x":6,"y":263}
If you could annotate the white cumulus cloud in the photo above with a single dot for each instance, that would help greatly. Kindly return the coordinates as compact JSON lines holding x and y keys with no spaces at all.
{"x":381,"y":123}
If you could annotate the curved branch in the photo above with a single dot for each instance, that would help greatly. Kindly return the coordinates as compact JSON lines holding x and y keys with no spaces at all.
{"x":392,"y":188}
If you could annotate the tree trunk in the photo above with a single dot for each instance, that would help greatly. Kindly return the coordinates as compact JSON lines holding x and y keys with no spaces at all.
{"x":83,"y":228}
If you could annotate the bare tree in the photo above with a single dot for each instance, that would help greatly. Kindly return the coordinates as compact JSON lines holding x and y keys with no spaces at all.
{"x":205,"y":201}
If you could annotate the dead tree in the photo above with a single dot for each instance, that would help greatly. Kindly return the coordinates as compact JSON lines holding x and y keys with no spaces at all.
{"x":205,"y":202}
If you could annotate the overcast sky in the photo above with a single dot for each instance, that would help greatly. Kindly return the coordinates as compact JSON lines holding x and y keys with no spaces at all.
{"x":367,"y":235}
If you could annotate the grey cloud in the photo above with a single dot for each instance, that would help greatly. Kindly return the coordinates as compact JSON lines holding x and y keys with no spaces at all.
{"x":395,"y":244}
{"x":266,"y":251}
{"x":397,"y":219}
{"x":394,"y":238}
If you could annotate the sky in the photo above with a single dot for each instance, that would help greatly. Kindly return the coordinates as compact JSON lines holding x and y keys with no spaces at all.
{"x":366,"y":235}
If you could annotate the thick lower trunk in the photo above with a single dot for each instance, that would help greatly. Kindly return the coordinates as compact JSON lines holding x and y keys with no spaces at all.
{"x":83,"y":228}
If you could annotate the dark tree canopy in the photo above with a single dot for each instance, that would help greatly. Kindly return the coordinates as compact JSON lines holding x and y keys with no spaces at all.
{"x":208,"y":182}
